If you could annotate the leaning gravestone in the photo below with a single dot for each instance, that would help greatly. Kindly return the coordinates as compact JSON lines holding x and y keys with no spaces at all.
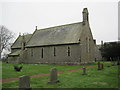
{"x":24,"y":82}
{"x":99,"y":67}
{"x":53,"y":76}
{"x":84,"y":71}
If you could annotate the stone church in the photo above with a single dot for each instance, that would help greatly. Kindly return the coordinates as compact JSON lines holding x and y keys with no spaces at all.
{"x":64,"y":44}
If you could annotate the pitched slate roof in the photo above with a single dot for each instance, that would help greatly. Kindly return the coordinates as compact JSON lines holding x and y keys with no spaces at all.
{"x":18,"y":42}
{"x":63,"y":34}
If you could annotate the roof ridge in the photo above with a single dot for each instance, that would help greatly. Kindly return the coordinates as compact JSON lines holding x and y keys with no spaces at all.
{"x":59,"y":26}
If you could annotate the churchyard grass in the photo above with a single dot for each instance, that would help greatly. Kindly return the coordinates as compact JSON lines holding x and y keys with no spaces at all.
{"x":33,"y":69}
{"x":106,"y":78}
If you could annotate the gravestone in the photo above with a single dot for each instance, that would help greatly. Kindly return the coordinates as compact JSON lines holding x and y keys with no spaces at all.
{"x":102,"y":66}
{"x":84,"y":71}
{"x":24,"y":82}
{"x":99,"y":67}
{"x":53,"y":76}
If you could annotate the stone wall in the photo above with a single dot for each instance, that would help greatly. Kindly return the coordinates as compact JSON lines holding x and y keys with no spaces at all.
{"x":87,"y":45}
{"x":57,"y":55}
{"x":82,"y":53}
{"x":54,"y":54}
{"x":98,"y":55}
{"x":13,"y":59}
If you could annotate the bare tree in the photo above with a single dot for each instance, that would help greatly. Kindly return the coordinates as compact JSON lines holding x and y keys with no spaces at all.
{"x":5,"y":38}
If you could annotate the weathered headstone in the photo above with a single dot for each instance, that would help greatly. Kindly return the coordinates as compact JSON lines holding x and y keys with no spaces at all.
{"x":53,"y":76}
{"x":24,"y":82}
{"x":102,"y":66}
{"x":84,"y":71}
{"x":99,"y":67}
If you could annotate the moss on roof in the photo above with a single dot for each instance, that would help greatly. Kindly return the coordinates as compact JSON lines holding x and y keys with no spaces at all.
{"x":63,"y":34}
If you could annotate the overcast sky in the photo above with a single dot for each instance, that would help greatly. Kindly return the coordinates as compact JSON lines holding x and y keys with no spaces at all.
{"x":24,"y":16}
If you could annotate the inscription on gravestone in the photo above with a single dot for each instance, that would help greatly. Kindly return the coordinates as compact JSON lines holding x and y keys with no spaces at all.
{"x":53,"y":76}
{"x":24,"y":82}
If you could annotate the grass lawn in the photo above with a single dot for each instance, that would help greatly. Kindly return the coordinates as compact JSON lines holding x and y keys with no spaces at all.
{"x":33,"y":69}
{"x":107,"y":78}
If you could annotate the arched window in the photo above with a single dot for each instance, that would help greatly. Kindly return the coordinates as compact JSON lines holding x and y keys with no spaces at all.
{"x":87,"y":44}
{"x":42,"y":53}
{"x":54,"y":51}
{"x":68,"y":51}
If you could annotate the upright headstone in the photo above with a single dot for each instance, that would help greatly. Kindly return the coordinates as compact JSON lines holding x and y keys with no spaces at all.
{"x":102,"y":66}
{"x":53,"y":76}
{"x":99,"y":68}
{"x":24,"y":82}
{"x":84,"y":71}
